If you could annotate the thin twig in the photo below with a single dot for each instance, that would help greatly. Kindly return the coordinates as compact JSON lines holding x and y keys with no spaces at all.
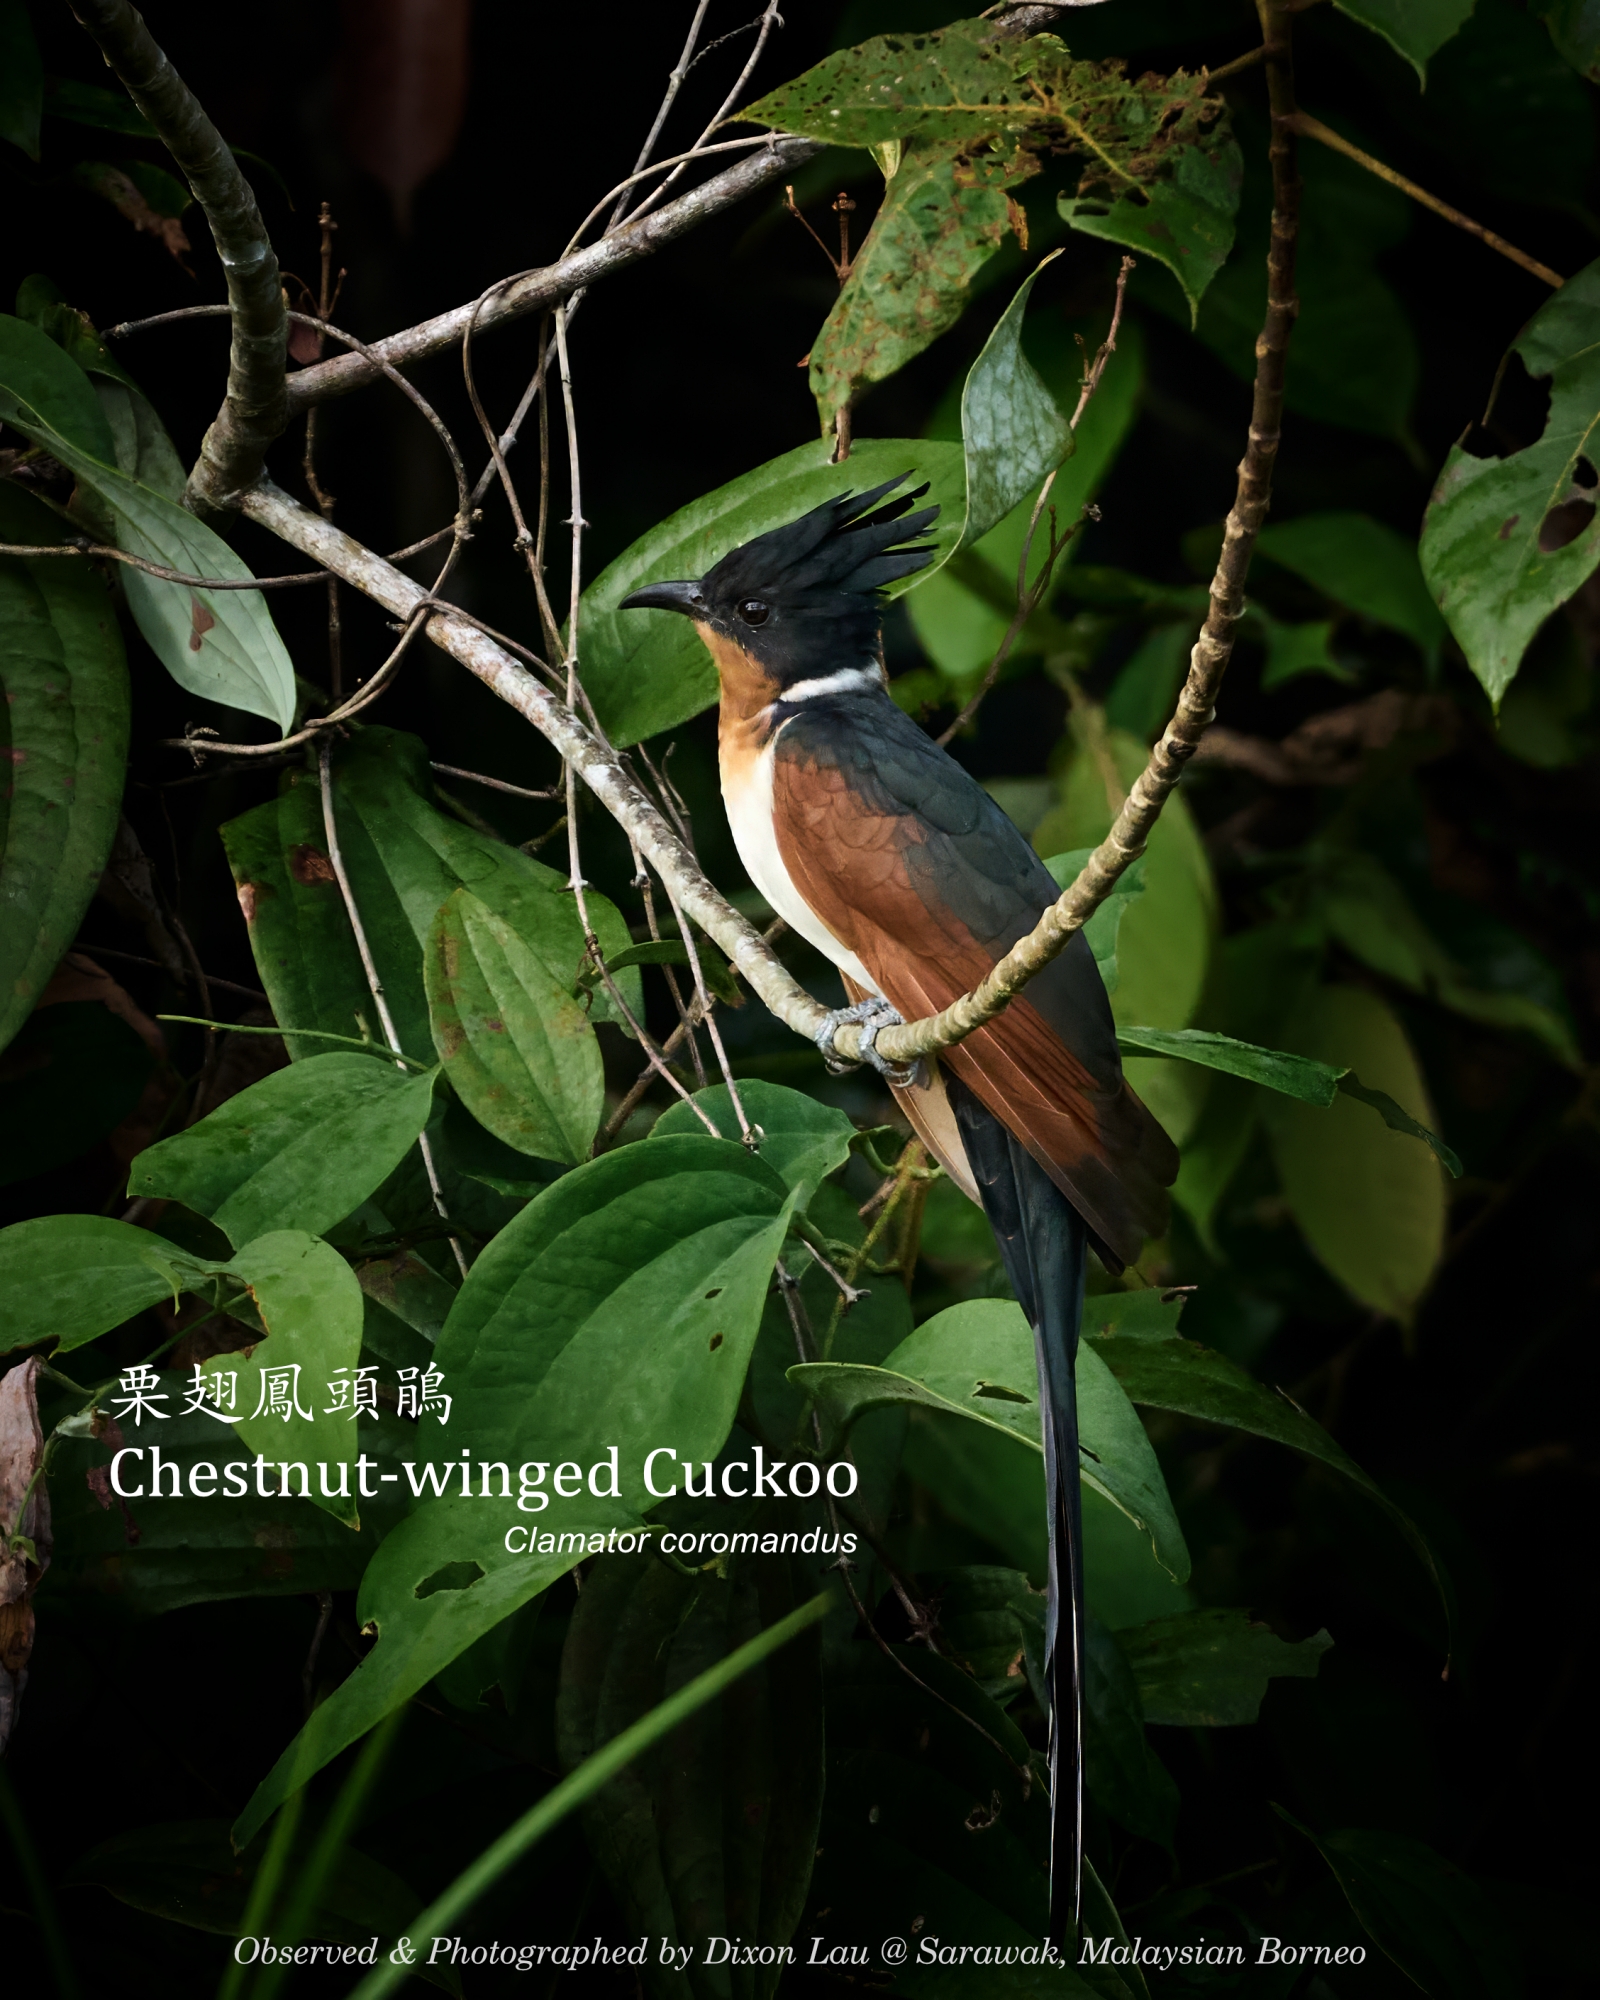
{"x":133,"y":958}
{"x":369,"y":966}
{"x":1313,"y":128}
{"x":497,"y":784}
{"x":674,"y":84}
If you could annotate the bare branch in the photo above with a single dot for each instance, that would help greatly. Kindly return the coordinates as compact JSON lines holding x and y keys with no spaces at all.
{"x":256,"y":408}
{"x":541,"y":289}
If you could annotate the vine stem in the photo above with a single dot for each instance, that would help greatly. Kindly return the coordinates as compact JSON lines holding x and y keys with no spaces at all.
{"x":369,"y":966}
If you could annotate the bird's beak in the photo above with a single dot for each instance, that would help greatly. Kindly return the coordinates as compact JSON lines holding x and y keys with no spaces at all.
{"x":685,"y":597}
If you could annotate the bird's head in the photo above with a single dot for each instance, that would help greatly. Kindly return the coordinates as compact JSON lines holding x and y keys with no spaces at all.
{"x":804,"y":599}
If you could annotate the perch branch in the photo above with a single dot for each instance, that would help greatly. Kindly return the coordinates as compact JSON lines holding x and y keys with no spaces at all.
{"x":255,"y":410}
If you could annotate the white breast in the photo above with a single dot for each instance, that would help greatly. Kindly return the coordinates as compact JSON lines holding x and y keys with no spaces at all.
{"x":747,"y":794}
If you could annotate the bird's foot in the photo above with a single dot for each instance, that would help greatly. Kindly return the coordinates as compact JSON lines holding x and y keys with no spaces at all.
{"x":870,"y":1016}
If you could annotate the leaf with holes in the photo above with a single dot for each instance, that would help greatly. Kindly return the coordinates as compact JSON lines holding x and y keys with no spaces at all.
{"x":1481,"y":536}
{"x":514,"y":1042}
{"x":64,"y":715}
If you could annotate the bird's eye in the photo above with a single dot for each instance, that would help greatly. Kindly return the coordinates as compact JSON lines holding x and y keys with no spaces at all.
{"x":754,"y":612}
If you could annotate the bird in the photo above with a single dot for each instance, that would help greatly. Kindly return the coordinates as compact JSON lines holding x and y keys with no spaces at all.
{"x":880,"y":849}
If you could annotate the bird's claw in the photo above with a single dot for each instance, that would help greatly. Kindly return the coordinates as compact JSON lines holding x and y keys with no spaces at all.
{"x":870,"y":1016}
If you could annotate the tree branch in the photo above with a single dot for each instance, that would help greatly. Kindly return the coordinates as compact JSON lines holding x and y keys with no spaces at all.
{"x":600,"y":769}
{"x":537,"y":290}
{"x":256,"y":408}
{"x":1209,"y":660}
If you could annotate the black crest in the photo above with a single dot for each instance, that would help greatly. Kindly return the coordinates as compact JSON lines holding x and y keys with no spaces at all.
{"x":849,"y":547}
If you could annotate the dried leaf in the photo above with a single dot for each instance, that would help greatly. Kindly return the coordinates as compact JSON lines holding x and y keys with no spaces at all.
{"x":128,"y":199}
{"x":402,"y":90}
{"x":25,"y":1524}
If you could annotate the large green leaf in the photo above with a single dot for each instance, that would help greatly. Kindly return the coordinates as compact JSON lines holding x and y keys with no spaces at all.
{"x":622,"y":1304}
{"x":713,"y":1835}
{"x":1428,"y":1915}
{"x":514,"y":1041}
{"x":1206,"y":1669}
{"x":1371,"y":1206}
{"x":220,"y":644}
{"x":299,"y":1150}
{"x":1481,"y":535}
{"x":1364,"y":564}
{"x":977,"y":1361}
{"x":1416,"y":29}
{"x":404,"y":858}
{"x":1102,"y":928}
{"x":1575,"y":29}
{"x":73,"y":1277}
{"x":1136,"y":1335}
{"x":310,"y":1305}
{"x":801,"y":1139}
{"x":64,"y":740}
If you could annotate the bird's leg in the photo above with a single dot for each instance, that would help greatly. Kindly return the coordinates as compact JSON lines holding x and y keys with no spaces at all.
{"x":870,"y":1016}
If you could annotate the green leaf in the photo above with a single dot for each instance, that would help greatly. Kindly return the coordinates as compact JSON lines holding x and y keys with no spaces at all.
{"x":310,"y":1304}
{"x":977,"y":1361}
{"x":1364,"y":564}
{"x":1012,"y":430}
{"x":1121,"y":1772}
{"x":1135,"y":1334}
{"x":1299,"y":1077}
{"x":194,"y":1550}
{"x":21,"y":79}
{"x":419,"y":1633}
{"x":39,"y":301}
{"x":1185,"y":221}
{"x":646,"y":673}
{"x":1142,"y":696}
{"x":1102,"y":928}
{"x":714,"y":1835}
{"x":1480,"y":535}
{"x":405,"y":1286}
{"x":73,"y":1277}
{"x":991,"y":1623}
{"x":1293,"y":650}
{"x":75,"y":1072}
{"x":64,"y":721}
{"x":1575,"y":29}
{"x":802,"y":1140}
{"x":404,"y":858}
{"x":91,"y":104}
{"x":514,"y":1042}
{"x":1209,"y":1669}
{"x":298,"y":1150}
{"x":220,"y":644}
{"x":1371,"y":1208}
{"x":1415,"y":29}
{"x":1426,"y":1914}
{"x":911,"y":280}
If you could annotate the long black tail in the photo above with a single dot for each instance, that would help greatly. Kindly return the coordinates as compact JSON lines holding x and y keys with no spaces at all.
{"x":1043,"y":1241}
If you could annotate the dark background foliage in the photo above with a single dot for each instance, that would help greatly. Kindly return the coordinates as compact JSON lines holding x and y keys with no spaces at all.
{"x":1476,"y":1416}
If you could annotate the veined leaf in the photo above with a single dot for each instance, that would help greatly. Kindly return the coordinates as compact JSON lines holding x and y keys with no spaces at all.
{"x":977,"y":1361}
{"x":1364,"y":564}
{"x":220,"y":644}
{"x":802,"y":1140}
{"x":299,"y":1150}
{"x":1415,"y":29}
{"x":1480,"y":536}
{"x":71,"y":1278}
{"x":64,"y":737}
{"x":310,"y":1305}
{"x":514,"y":1042}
